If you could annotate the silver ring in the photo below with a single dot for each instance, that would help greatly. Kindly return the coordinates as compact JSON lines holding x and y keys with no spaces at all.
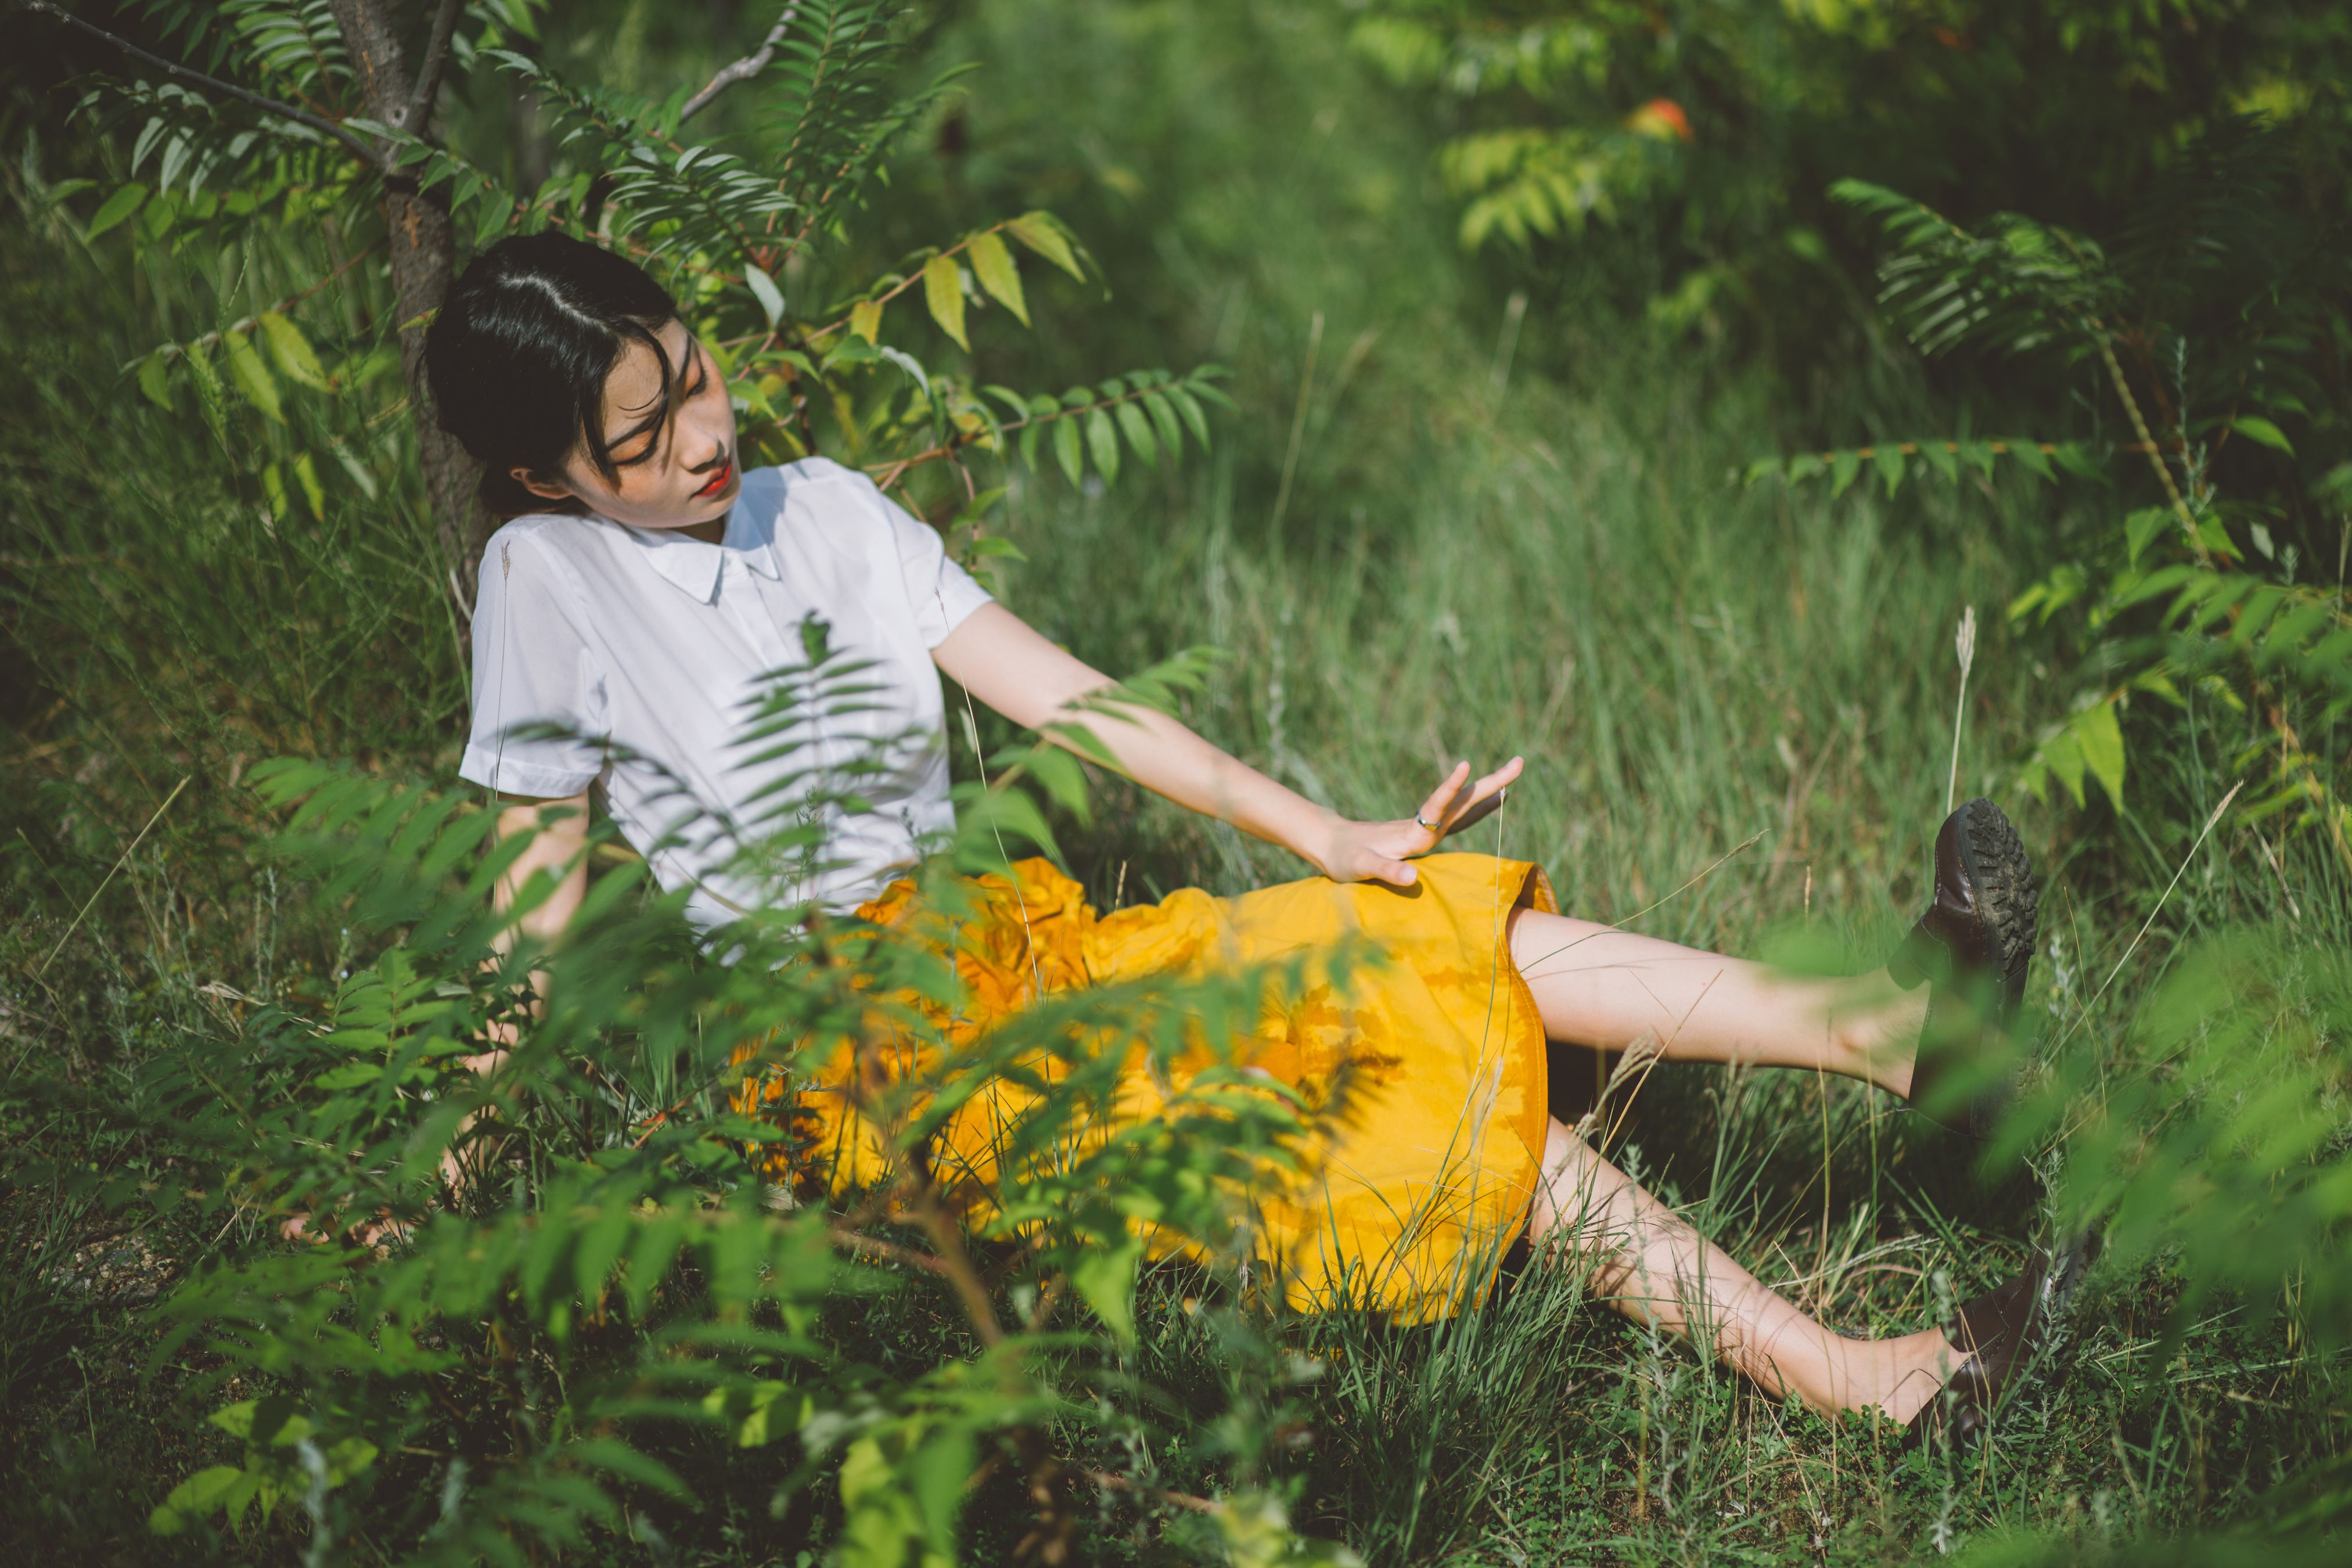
{"x":1424,"y":826}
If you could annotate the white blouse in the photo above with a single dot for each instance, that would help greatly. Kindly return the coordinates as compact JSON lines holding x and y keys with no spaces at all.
{"x":648,"y":647}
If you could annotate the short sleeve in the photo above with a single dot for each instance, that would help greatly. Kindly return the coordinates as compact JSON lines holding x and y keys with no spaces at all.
{"x":533,"y":667}
{"x":942,"y":592}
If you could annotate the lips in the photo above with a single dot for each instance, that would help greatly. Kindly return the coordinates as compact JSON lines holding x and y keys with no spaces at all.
{"x":719,"y":481}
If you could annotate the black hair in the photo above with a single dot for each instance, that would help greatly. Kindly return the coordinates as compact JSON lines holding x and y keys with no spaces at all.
{"x":518,"y":357}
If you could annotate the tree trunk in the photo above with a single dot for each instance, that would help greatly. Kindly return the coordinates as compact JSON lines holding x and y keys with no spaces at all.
{"x":424,"y":254}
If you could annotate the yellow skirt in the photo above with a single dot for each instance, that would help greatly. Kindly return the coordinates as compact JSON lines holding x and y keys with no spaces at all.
{"x":1425,"y":1172}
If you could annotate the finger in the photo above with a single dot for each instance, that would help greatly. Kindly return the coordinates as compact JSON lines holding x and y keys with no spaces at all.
{"x":1495,"y":783}
{"x":1474,"y":813}
{"x":1441,"y":800}
{"x":1484,"y":797}
{"x":1396,"y":873}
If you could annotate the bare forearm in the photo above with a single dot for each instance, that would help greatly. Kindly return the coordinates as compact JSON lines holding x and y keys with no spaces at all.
{"x":1029,"y":680}
{"x":557,"y":847}
{"x":1166,"y":757}
{"x":554,"y":851}
{"x":1032,"y":682}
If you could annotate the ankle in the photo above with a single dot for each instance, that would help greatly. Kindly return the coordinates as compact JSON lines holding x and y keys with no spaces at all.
{"x":1897,"y":1028}
{"x":1883,"y":1041}
{"x":1923,"y":1364}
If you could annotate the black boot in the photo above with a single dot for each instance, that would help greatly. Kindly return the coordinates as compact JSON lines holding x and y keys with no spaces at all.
{"x":1999,"y":1333}
{"x":1972,"y":947}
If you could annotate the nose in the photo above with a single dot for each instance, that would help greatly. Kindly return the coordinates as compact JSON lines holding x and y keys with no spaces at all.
{"x":706,"y":448}
{"x":706,"y":435}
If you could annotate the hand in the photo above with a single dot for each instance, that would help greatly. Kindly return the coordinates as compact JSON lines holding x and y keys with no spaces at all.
{"x":1377,"y":851}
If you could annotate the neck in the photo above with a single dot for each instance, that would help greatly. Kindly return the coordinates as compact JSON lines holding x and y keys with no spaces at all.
{"x":711,"y":532}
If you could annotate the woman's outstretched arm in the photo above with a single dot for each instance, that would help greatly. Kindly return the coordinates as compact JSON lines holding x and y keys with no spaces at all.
{"x":1001,"y":660}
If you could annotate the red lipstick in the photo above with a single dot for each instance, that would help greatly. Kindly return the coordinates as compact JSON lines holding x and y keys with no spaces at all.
{"x":718,"y":480}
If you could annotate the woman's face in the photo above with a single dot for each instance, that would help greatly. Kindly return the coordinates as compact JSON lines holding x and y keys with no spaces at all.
{"x":672,"y":468}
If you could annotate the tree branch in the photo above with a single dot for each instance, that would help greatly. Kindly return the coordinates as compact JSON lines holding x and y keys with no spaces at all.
{"x":750,"y":66}
{"x":428,"y":73}
{"x":359,"y":148}
{"x":2155,"y":453}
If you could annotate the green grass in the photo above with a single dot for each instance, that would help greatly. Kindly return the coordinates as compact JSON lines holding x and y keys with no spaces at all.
{"x":1481,"y":553}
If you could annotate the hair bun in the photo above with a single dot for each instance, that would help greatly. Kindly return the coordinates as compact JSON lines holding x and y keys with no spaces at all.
{"x":518,"y":355}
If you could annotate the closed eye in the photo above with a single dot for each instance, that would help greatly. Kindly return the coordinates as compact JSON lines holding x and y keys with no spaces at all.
{"x":651,"y":432}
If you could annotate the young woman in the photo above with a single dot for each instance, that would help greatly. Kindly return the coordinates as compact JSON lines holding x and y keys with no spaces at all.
{"x":645,"y":583}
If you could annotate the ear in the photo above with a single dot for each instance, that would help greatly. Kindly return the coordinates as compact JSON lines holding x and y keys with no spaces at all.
{"x":540,"y":485}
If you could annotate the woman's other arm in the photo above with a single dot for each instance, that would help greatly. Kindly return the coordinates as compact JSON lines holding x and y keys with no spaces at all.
{"x":999,"y":659}
{"x":560,"y":847}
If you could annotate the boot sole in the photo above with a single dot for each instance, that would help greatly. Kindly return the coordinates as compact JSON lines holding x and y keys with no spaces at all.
{"x":2001,"y":875}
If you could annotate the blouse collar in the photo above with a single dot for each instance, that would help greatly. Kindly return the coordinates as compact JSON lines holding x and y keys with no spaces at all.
{"x":696,"y":567}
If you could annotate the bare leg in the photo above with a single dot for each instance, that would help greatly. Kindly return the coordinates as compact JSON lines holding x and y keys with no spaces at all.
{"x":1598,"y":986}
{"x":1656,"y":1268}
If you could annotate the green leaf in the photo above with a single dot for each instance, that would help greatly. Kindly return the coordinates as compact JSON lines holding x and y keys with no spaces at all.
{"x":2102,"y":739}
{"x":1163,"y":419}
{"x":1042,"y":234}
{"x":617,"y":1458}
{"x":120,"y":208}
{"x":2076,"y":459}
{"x":1063,"y":779}
{"x":761,"y":1422}
{"x":354,"y":468}
{"x":770,"y":298}
{"x":2141,"y":528}
{"x":992,"y":263}
{"x":2158,"y":681}
{"x":866,"y":320}
{"x":1138,"y":431}
{"x":252,"y":376}
{"x":2035,"y":460}
{"x":1066,"y":450}
{"x":490,"y":217}
{"x":600,"y":1247}
{"x":348,"y":1458}
{"x":943,"y":1468}
{"x":292,"y":351}
{"x":1008,"y":814}
{"x":1102,"y":445}
{"x":352,"y":1075}
{"x":880,"y":1520}
{"x":206,"y":1491}
{"x":1105,"y":1276}
{"x":2062,"y":755}
{"x":2255,"y":427}
{"x":153,"y":380}
{"x":1844,"y":467}
{"x":1945,"y":461}
{"x":1888,"y":461}
{"x":1195,"y":419}
{"x":943,"y":292}
{"x":237,"y":1419}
